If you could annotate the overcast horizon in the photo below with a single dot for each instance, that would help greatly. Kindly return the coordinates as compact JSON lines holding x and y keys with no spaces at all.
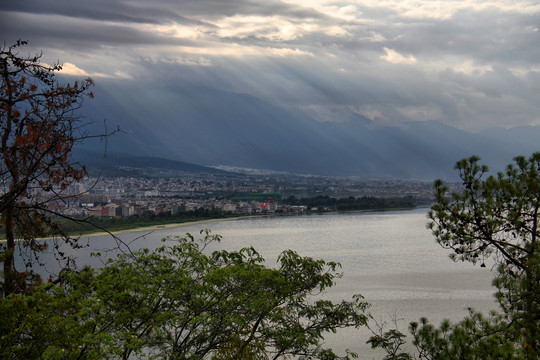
{"x":468,"y":64}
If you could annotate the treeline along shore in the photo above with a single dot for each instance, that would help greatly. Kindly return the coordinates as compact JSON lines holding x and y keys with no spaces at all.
{"x":324,"y":203}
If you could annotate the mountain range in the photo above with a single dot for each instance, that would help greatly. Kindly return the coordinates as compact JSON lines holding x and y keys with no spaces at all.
{"x":210,"y":127}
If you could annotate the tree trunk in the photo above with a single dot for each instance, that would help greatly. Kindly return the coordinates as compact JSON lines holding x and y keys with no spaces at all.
{"x":531,"y":295}
{"x":9,"y":266}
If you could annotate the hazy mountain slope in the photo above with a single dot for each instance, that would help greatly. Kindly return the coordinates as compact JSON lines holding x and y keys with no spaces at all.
{"x":212,"y":127}
{"x":114,"y":164}
{"x":523,"y":140}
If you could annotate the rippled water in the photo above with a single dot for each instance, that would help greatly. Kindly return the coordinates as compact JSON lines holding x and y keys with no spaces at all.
{"x":388,"y":257}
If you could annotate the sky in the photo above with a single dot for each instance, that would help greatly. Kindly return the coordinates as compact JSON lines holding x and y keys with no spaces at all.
{"x":470,"y":64}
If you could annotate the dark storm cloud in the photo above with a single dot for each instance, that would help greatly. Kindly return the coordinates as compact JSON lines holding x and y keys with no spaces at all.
{"x":62,"y":32}
{"x":220,"y":8}
{"x":102,"y":10}
{"x":159,"y":11}
{"x":115,"y":22}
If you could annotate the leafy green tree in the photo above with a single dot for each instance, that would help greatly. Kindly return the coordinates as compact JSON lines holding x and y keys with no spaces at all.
{"x":390,"y":340}
{"x":178,"y":302}
{"x":50,"y":323}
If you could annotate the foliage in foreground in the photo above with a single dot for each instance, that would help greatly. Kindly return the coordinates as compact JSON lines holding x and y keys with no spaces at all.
{"x":494,"y":218}
{"x":176,"y":302}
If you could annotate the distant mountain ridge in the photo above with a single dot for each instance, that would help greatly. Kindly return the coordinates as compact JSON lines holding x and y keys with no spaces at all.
{"x":113,"y":164}
{"x":212,"y":127}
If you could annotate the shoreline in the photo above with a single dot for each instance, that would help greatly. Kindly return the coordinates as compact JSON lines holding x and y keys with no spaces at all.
{"x":143,"y":228}
{"x":151,"y":228}
{"x":189,"y":223}
{"x":160,"y":227}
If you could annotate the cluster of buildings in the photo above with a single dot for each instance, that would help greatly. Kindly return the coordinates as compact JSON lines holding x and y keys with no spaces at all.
{"x":239,"y":194}
{"x":119,"y":207}
{"x":108,"y":202}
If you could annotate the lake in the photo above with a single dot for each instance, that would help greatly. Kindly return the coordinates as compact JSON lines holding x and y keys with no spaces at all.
{"x":388,"y":257}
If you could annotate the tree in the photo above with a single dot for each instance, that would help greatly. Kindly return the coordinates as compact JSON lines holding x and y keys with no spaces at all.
{"x":177,"y":302}
{"x":493,"y":218}
{"x":498,"y":218}
{"x":39,"y":127}
{"x":476,"y":337}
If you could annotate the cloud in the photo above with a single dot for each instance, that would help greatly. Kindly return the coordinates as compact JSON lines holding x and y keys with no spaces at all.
{"x":369,"y":112}
{"x":287,"y":52}
{"x":469,"y":68}
{"x":394,"y":57}
{"x":73,"y":70}
{"x":444,"y":10}
{"x":421,"y":113}
{"x":471,"y":64}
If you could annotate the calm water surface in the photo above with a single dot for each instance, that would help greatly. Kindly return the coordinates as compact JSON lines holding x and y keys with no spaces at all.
{"x":388,"y":257}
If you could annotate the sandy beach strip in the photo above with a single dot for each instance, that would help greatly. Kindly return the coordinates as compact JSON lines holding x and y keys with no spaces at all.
{"x":161,"y":227}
